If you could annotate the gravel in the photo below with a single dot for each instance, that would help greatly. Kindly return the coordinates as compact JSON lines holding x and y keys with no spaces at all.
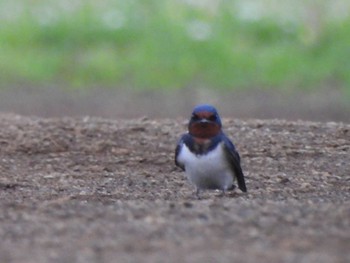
{"x":100,"y":190}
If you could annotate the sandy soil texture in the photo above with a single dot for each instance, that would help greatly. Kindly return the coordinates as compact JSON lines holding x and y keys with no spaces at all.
{"x":97,"y":190}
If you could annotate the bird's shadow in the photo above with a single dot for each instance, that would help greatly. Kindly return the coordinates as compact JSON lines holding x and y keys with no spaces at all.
{"x":216,"y":194}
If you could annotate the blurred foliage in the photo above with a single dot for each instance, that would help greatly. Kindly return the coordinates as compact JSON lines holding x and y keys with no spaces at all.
{"x":171,"y":44}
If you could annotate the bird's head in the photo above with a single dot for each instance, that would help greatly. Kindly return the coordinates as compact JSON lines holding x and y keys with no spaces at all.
{"x":205,"y":122}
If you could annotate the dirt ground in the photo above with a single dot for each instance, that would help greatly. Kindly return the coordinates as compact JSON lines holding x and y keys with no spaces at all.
{"x":99,"y":190}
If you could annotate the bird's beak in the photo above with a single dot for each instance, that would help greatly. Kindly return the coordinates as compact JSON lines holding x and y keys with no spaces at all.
{"x":204,"y":121}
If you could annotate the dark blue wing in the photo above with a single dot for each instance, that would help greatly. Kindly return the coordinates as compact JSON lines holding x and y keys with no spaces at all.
{"x":235,"y":163}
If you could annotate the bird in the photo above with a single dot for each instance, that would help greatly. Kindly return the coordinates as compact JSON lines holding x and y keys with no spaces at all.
{"x":206,"y":155}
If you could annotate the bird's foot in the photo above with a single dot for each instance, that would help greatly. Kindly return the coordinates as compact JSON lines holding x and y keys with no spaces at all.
{"x":222,"y":193}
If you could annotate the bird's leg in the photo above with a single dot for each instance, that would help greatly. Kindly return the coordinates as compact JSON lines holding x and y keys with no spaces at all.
{"x":223,"y":193}
{"x":197,"y":193}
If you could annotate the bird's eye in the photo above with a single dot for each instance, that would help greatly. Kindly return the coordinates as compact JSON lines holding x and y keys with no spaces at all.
{"x":195,"y":117}
{"x":212,"y":118}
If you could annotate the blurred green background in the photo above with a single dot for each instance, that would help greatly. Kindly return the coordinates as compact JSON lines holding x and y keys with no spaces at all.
{"x":289,"y":46}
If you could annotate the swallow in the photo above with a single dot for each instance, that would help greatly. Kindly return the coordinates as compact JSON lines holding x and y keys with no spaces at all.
{"x":206,"y":155}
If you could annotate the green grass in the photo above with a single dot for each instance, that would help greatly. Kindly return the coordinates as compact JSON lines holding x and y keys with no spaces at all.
{"x":149,"y":44}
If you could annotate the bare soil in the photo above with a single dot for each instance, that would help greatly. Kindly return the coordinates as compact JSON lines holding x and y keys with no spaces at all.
{"x":99,"y":190}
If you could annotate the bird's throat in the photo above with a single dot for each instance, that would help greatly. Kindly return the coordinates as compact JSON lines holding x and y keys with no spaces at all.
{"x":204,"y":131}
{"x":201,"y":141}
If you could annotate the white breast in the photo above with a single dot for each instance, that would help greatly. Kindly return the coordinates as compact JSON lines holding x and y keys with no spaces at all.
{"x":209,"y":171}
